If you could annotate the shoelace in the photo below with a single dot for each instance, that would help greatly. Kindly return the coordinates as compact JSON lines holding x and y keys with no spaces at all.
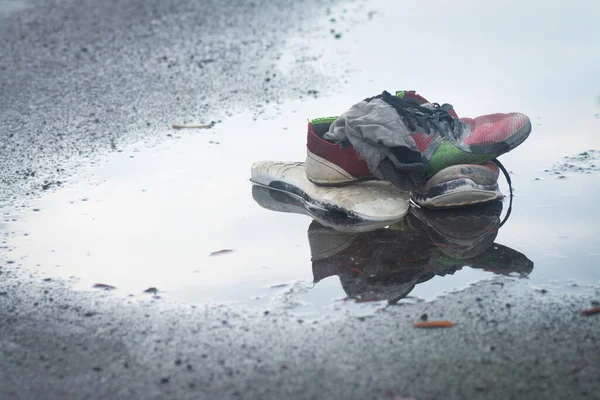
{"x":510,"y":190}
{"x":415,"y":116}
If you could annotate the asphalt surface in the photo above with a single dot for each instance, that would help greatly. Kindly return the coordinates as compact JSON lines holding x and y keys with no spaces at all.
{"x":79,"y":79}
{"x":59,"y":344}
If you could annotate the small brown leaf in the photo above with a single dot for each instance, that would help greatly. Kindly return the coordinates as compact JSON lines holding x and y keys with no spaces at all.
{"x":279,"y":286}
{"x":433,"y":324}
{"x":591,"y":311}
{"x":219,"y":252}
{"x":103,"y":286}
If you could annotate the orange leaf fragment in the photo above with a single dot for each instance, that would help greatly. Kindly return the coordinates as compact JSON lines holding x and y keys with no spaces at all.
{"x":434,"y":324}
{"x":591,"y":311}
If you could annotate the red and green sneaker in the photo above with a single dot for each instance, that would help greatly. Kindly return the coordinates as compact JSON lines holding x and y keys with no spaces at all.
{"x":460,"y":185}
{"x":406,"y":140}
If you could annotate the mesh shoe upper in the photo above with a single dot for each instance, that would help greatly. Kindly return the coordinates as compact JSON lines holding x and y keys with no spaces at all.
{"x":330,"y":163}
{"x":406,"y":141}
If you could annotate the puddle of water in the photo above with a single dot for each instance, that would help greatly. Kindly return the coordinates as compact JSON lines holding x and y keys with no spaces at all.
{"x":152,"y":217}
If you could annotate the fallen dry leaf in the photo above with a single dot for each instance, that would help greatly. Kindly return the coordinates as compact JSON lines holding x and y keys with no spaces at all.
{"x":219,"y":252}
{"x":433,"y":324}
{"x":207,"y":126}
{"x":591,"y":311}
{"x":103,"y":286}
{"x":279,"y":286}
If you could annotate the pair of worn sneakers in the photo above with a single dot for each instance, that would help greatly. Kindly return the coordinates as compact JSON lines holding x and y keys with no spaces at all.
{"x":421,"y":147}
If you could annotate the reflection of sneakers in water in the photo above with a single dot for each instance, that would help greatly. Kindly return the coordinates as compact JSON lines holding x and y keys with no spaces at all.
{"x":386,"y":264}
{"x":405,"y":140}
{"x":281,"y":201}
{"x":460,"y":233}
{"x":380,"y":265}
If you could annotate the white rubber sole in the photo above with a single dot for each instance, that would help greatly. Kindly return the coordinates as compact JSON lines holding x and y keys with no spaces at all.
{"x":281,"y":201}
{"x":465,"y":194}
{"x":371,"y":200}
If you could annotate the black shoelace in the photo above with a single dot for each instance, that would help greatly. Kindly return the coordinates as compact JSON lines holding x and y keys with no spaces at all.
{"x":415,"y":116}
{"x":510,"y":190}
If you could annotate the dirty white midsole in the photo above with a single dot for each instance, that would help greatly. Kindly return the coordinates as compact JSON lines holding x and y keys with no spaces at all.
{"x":371,"y":200}
{"x":461,"y":197}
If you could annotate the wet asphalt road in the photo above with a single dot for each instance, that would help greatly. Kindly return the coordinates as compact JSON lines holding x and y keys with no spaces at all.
{"x":84,"y":78}
{"x":78,"y":78}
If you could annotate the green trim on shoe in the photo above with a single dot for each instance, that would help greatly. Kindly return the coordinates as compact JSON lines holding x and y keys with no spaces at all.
{"x":448,"y":154}
{"x":323,"y":120}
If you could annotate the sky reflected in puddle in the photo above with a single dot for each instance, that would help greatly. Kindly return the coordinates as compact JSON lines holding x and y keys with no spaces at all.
{"x":152,"y":217}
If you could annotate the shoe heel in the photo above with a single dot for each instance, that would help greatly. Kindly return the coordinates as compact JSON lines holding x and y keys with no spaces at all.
{"x":322,"y":172}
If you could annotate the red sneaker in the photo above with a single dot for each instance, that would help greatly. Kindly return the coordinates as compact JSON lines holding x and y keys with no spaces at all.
{"x":405,"y":140}
{"x":329,"y":163}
